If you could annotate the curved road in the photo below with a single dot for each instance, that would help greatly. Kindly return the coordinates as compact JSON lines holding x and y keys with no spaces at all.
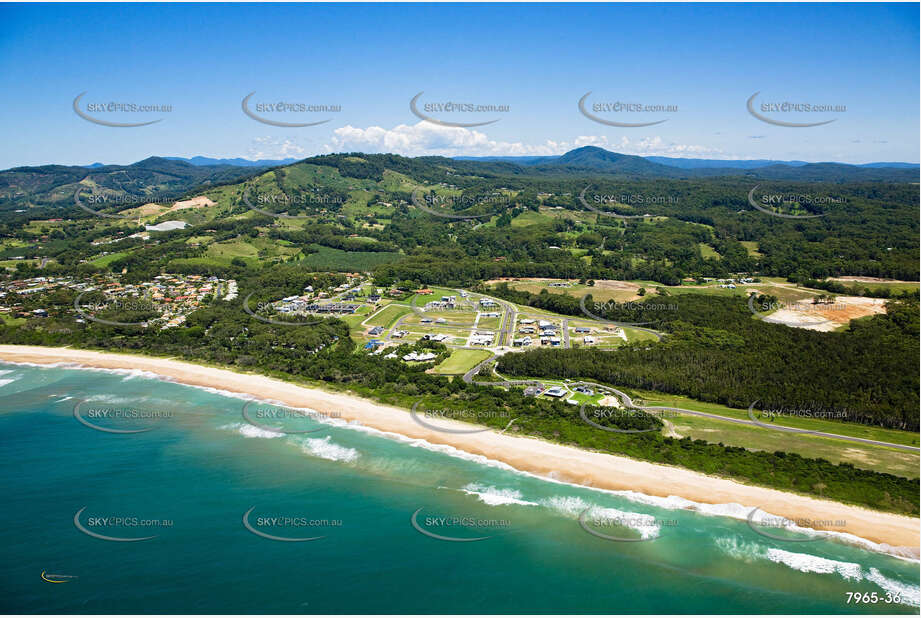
{"x":468,"y":377}
{"x":629,"y":403}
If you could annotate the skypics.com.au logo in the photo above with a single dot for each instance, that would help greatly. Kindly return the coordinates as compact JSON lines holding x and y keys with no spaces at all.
{"x":622,"y":110}
{"x":269,"y":203}
{"x":436,"y":205}
{"x":803,"y":108}
{"x":105,"y":113}
{"x":280,"y":108}
{"x":771,"y":203}
{"x":446,"y":109}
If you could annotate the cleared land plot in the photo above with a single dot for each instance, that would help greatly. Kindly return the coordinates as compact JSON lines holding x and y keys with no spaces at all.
{"x":874,"y":283}
{"x":603,"y":290}
{"x":388,"y":316}
{"x":489,"y":323}
{"x":752,"y":247}
{"x":105,"y":260}
{"x":461,"y":361}
{"x":827,"y":317}
{"x":865,"y":456}
{"x":706,"y":251}
{"x":867,"y":432}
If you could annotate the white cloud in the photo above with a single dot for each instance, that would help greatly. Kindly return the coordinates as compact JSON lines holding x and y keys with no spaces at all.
{"x":274,"y":148}
{"x":425,"y":138}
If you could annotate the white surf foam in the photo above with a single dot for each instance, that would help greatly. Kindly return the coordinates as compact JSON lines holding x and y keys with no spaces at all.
{"x":494,"y":496}
{"x":574,"y":506}
{"x":251,"y":431}
{"x":735,"y":547}
{"x":327,"y":449}
{"x":747,"y":551}
{"x":807,"y":563}
{"x":907,"y":594}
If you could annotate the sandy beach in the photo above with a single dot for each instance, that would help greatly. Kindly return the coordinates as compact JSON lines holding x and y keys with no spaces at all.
{"x":562,"y":463}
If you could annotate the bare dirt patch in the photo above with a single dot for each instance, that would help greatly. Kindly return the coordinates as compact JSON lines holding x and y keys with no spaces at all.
{"x":869,"y":280}
{"x":828,"y":317}
{"x":196,"y":202}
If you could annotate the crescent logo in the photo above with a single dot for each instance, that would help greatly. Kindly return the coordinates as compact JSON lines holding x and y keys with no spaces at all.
{"x":102,"y":537}
{"x":751,"y":415}
{"x":415,"y":524}
{"x":418,"y":203}
{"x":273,"y":429}
{"x":751,"y":524}
{"x":85,"y":422}
{"x":757,"y":206}
{"x":594,"y":424}
{"x":266,"y":212}
{"x":612,"y":123}
{"x":272,"y":537}
{"x":443,"y":123}
{"x":96,"y":212}
{"x":605,"y":213}
{"x":52,"y":578}
{"x":780,"y":123}
{"x":608,"y":537}
{"x":766,"y":318}
{"x":106,"y":123}
{"x":275,"y":123}
{"x":247,"y":309}
{"x":415,"y":417}
{"x":601,"y":319}
{"x":79,"y":310}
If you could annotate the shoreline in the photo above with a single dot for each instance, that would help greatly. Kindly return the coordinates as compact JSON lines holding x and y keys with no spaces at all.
{"x":552,"y":461}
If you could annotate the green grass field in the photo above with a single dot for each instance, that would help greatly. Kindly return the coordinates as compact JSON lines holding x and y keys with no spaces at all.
{"x":337,"y":260}
{"x":105,"y":260}
{"x":848,"y":429}
{"x":893,"y":286}
{"x":707,"y":251}
{"x":752,"y":247}
{"x":461,"y":361}
{"x":866,"y":456}
{"x":388,"y":316}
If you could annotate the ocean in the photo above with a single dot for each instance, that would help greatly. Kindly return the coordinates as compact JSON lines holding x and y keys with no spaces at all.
{"x":124,"y":493}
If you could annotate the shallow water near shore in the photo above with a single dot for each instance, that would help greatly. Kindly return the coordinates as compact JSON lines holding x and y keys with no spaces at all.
{"x":196,"y":465}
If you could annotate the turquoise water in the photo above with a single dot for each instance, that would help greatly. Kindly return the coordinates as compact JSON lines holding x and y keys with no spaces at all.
{"x":201,"y":466}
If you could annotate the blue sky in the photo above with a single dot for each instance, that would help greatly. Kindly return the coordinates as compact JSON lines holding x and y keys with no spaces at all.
{"x":537,"y":59}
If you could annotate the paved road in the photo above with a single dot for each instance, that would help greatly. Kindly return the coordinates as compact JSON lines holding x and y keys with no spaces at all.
{"x":625,"y":398}
{"x":566,"y":333}
{"x":629,"y":403}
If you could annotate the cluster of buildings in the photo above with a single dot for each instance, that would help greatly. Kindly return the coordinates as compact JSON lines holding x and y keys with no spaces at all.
{"x":482,"y":338}
{"x":312,"y":301}
{"x":174,"y":297}
{"x":729,"y":283}
{"x":418,"y":356}
{"x":546,"y":332}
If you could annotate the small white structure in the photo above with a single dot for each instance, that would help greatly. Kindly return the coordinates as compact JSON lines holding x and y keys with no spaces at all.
{"x":167,"y":226}
{"x":419,"y":356}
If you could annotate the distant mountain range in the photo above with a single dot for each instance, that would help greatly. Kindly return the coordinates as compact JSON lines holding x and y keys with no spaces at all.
{"x":566,"y":159}
{"x":54,"y":185}
{"x":238,"y":162}
{"x":593,"y":157}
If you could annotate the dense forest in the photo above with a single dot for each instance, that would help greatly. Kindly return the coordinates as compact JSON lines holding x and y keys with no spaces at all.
{"x":717,"y":351}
